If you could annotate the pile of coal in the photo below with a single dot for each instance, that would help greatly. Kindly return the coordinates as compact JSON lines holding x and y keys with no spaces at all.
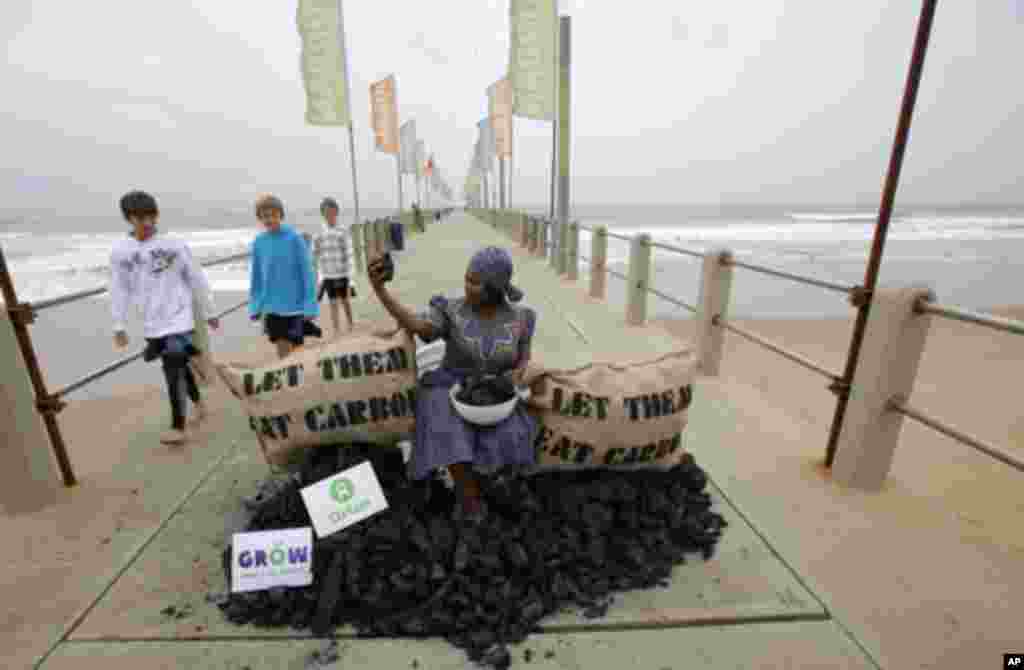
{"x":551,"y":541}
{"x":484,"y":390}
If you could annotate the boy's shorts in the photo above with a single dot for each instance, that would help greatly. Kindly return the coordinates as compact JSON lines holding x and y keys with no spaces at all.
{"x":289,"y":328}
{"x":334,"y":288}
{"x":177,"y":343}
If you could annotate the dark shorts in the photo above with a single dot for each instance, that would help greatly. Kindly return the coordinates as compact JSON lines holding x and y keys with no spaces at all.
{"x":289,"y":328}
{"x":180,"y":343}
{"x":334,"y":288}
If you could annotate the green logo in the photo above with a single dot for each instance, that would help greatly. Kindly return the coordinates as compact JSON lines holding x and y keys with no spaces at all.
{"x":342,"y":490}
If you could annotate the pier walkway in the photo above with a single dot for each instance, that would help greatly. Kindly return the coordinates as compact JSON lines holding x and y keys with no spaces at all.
{"x":806,"y":576}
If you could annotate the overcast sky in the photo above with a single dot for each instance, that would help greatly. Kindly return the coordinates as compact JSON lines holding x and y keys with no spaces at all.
{"x":774,"y":101}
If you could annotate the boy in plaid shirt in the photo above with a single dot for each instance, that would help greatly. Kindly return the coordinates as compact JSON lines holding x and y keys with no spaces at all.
{"x":331,"y":261}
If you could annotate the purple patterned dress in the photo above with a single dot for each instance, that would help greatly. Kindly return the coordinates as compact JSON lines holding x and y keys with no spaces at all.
{"x":496,"y":345}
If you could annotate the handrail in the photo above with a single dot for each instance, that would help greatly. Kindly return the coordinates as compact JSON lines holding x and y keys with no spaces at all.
{"x":675,"y":301}
{"x":118,"y":364}
{"x":925,"y":306}
{"x":675,"y":249}
{"x":782,"y":351}
{"x":900,"y":406}
{"x":40,"y":305}
{"x":787,"y":275}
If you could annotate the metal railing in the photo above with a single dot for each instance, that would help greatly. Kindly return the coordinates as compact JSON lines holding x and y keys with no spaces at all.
{"x":900,"y":406}
{"x":856,"y":295}
{"x":23,"y":314}
{"x":117,"y":365}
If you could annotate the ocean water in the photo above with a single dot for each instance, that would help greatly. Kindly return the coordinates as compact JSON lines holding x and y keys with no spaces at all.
{"x":973,"y":258}
{"x":970,"y":257}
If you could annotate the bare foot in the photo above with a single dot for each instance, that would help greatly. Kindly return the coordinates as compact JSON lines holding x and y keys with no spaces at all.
{"x":174,"y":437}
{"x":199,"y":413}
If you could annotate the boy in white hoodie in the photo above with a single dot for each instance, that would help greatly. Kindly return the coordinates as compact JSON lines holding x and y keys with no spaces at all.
{"x":332,"y":264}
{"x":159,"y":272}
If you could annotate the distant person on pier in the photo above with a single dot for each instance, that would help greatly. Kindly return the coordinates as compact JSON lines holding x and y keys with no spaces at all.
{"x":332,"y":264}
{"x":484,"y":332}
{"x":282,"y":286}
{"x":417,"y":217}
{"x":159,"y":272}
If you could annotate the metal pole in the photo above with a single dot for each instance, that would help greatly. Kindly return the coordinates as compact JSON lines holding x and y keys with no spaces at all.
{"x":398,"y":163}
{"x":564,"y":100}
{"x":892,"y":178}
{"x":352,"y":153}
{"x":21,"y":316}
{"x":501,"y":182}
{"x":511,"y":163}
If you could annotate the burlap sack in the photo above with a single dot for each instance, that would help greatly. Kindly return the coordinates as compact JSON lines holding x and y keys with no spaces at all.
{"x":360,"y":388}
{"x":615,"y":416}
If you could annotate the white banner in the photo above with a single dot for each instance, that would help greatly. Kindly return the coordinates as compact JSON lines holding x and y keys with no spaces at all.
{"x":408,"y":147}
{"x":271,"y":558}
{"x":324,"y":62}
{"x":343,"y":499}
{"x":533,"y":62}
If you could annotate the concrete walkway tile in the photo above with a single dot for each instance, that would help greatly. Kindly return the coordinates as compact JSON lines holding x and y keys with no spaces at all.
{"x":776,"y":646}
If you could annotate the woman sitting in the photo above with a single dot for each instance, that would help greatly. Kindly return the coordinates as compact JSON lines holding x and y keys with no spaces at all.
{"x":484,"y":333}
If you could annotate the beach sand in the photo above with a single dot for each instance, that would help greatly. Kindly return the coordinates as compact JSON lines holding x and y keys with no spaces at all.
{"x":968,"y":377}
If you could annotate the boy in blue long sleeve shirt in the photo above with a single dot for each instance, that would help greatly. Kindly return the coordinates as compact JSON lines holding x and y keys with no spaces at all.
{"x":282,"y":286}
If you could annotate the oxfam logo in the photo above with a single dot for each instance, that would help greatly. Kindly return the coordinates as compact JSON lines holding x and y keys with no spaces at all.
{"x":342,"y":490}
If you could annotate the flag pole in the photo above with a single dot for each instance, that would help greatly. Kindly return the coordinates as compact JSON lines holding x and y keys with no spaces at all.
{"x":501,"y":183}
{"x":398,"y":164}
{"x":352,"y":154}
{"x":564,"y":135}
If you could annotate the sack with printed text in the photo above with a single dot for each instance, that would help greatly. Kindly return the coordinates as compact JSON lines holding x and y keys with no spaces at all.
{"x":360,"y":388}
{"x":607,"y":415}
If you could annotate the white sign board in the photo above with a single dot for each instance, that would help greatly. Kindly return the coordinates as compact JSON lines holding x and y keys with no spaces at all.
{"x":269,"y":558}
{"x":346,"y":498}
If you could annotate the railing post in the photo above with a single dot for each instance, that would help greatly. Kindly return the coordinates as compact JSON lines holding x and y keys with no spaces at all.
{"x":715,"y":286}
{"x":553,"y":237}
{"x":542,"y":239}
{"x":598,"y":262}
{"x":28,"y":481}
{"x":893,"y":343}
{"x":563,"y":247}
{"x":47,"y":405}
{"x":574,"y":251}
{"x":639,"y":279}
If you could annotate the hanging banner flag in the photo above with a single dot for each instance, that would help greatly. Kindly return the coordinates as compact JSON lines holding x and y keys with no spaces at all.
{"x":324,"y":63}
{"x":533,"y":61}
{"x":384,"y":110}
{"x":408,"y":147}
{"x":499,"y":95}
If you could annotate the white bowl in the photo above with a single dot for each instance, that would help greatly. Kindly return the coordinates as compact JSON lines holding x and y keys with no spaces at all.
{"x":489,"y":415}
